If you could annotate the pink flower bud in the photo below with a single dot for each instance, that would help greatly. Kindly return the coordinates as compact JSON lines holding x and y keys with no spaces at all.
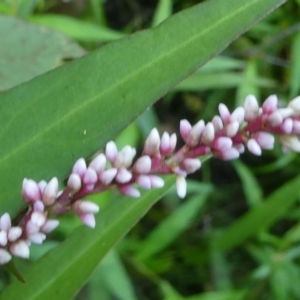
{"x":194,"y":136}
{"x":296,"y":127}
{"x":270,"y":104}
{"x":191,"y":165}
{"x":14,"y":233}
{"x":232,"y":128}
{"x":229,"y":154}
{"x":264,"y":139}
{"x":90,"y":176}
{"x":38,"y":206}
{"x":88,"y":220}
{"x":254,"y":147}
{"x":152,"y":143}
{"x":173,"y":142}
{"x":222,"y":143}
{"x":251,"y":108}
{"x":30,"y":190}
{"x":123,"y":176}
{"x":38,"y":218}
{"x":165,"y":146}
{"x":238,"y":115}
{"x":85,"y":207}
{"x":3,"y":238}
{"x":275,"y":119}
{"x":295,"y":105}
{"x":185,"y":128}
{"x":287,"y":126}
{"x":125,"y":157}
{"x":49,"y":226}
{"x":129,"y":190}
{"x":5,"y":222}
{"x":98,"y":163}
{"x":142,"y":165}
{"x":74,"y":182}
{"x":37,"y":238}
{"x":5,"y":257}
{"x":181,"y":186}
{"x":42,"y":184}
{"x":224,"y":113}
{"x":144,"y":182}
{"x":156,"y":182}
{"x":79,"y":167}
{"x":208,"y":134}
{"x":50,"y":192}
{"x":111,"y":151}
{"x":217,"y":122}
{"x":107,"y":176}
{"x":20,"y":249}
{"x":291,"y":142}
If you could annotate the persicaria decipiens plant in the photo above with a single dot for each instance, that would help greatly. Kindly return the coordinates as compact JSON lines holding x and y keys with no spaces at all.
{"x":225,"y":137}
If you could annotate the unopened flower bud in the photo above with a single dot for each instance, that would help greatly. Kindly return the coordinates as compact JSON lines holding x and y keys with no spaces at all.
{"x":30,"y":190}
{"x":79,"y":167}
{"x":20,"y":249}
{"x":50,"y":192}
{"x":254,"y":147}
{"x":74,"y":182}
{"x":181,"y":186}
{"x":111,"y":151}
{"x":98,"y":163}
{"x":5,"y":256}
{"x":185,"y":128}
{"x":142,"y":165}
{"x":152,"y":143}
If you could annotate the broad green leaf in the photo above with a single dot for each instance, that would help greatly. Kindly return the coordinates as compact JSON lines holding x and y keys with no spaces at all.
{"x":222,"y":63}
{"x":77,"y":29}
{"x":70,"y":112}
{"x":251,"y":187}
{"x":262,"y":216}
{"x":30,"y":51}
{"x":172,"y":227}
{"x":63,"y":270}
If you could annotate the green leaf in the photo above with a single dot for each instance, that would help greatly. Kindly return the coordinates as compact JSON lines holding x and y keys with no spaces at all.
{"x":63,"y":270}
{"x":251,"y":187}
{"x":70,"y":112}
{"x":261,"y":216}
{"x":163,"y":11}
{"x":171,"y":227}
{"x":295,"y":67}
{"x":30,"y":51}
{"x":79,"y":30}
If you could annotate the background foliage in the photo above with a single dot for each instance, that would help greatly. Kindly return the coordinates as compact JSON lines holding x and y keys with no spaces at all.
{"x":236,"y":235}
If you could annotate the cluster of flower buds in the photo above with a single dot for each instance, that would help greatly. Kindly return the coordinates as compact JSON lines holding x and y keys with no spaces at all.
{"x":225,"y":137}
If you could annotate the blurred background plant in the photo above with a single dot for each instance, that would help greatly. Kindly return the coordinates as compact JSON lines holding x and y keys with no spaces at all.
{"x":237,"y":233}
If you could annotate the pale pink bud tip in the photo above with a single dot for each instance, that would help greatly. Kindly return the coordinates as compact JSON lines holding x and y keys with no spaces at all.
{"x":129,"y":190}
{"x":144,"y":182}
{"x":5,"y":257}
{"x":181,"y":186}
{"x":37,"y":238}
{"x":195,"y":133}
{"x":30,"y":190}
{"x":156,"y":182}
{"x":3,"y":238}
{"x":90,"y":176}
{"x":108,"y":176}
{"x":270,"y":104}
{"x":251,"y":108}
{"x":14,"y":233}
{"x":38,"y":206}
{"x":165,"y":146}
{"x":185,"y":128}
{"x":152,"y":143}
{"x":230,"y":154}
{"x":191,"y":165}
{"x":143,"y":165}
{"x":291,"y":142}
{"x":232,"y":129}
{"x":208,"y":134}
{"x":49,"y":226}
{"x":98,"y":163}
{"x":74,"y":182}
{"x":50,"y":192}
{"x":88,"y":220}
{"x":125,"y":157}
{"x":173,"y":142}
{"x":254,"y":147}
{"x":79,"y":167}
{"x":223,"y":143}
{"x":123,"y":176}
{"x":20,"y":249}
{"x":217,"y":122}
{"x":238,"y":115}
{"x":264,"y":139}
{"x":85,"y":207}
{"x":295,"y":105}
{"x":224,"y":113}
{"x":111,"y":151}
{"x":5,"y":222}
{"x":38,"y":218}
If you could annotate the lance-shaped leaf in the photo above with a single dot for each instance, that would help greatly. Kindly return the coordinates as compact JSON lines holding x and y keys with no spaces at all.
{"x":49,"y":122}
